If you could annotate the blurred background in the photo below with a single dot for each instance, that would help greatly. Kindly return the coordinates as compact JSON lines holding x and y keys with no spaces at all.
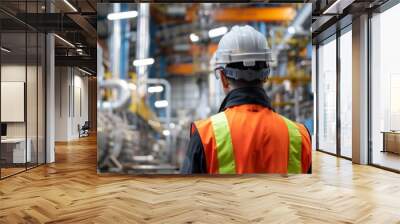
{"x":155,"y":75}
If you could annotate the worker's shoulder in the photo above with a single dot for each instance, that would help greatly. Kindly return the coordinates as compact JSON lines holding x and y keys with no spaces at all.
{"x":287,"y":120}
{"x":291,"y":122}
{"x":202,"y":122}
{"x":207,"y":121}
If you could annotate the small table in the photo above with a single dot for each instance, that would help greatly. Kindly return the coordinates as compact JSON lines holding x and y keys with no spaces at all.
{"x":391,"y":141}
{"x":17,"y":150}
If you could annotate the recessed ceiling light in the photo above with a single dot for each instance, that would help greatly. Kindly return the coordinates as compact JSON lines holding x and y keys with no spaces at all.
{"x":122,"y":15}
{"x":193,"y":37}
{"x":143,"y":62}
{"x":65,"y":41}
{"x":70,"y":5}
{"x":5,"y":50}
{"x":84,"y":71}
{"x":217,"y":31}
{"x":155,"y":89}
{"x":161,"y":103}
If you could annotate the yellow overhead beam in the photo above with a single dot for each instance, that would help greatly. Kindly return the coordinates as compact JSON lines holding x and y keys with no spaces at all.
{"x":269,"y":14}
{"x":181,"y":69}
{"x":264,"y":14}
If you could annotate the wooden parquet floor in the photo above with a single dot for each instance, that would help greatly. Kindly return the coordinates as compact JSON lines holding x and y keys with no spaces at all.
{"x":70,"y":191}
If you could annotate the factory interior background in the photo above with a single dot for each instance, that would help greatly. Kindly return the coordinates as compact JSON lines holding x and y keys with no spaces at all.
{"x":76,"y":117}
{"x":156,"y":75}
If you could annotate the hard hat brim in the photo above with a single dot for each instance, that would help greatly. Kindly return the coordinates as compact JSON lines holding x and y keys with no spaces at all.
{"x":247,"y":75}
{"x":227,"y":57}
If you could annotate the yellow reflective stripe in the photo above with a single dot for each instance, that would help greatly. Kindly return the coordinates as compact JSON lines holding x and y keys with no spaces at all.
{"x":226,"y":158}
{"x":294,"y":163}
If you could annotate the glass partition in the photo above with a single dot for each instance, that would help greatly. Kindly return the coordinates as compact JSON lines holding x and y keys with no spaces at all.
{"x":31,"y":97}
{"x":14,"y":146}
{"x":22,"y":88}
{"x":346,"y":93}
{"x":327,"y":96}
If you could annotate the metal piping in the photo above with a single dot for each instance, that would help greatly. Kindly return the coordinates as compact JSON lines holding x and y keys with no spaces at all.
{"x":115,"y":43}
{"x":167,"y":95}
{"x":300,"y":19}
{"x":142,"y":45}
{"x":123,"y":93}
{"x":167,"y":120}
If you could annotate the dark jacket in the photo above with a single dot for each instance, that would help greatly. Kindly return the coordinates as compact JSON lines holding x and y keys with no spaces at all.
{"x":195,"y":160}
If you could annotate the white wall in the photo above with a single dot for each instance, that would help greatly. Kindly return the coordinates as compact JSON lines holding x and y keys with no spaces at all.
{"x":62,"y":81}
{"x":16,"y":73}
{"x":12,"y":73}
{"x":80,"y":115}
{"x":71,"y":102}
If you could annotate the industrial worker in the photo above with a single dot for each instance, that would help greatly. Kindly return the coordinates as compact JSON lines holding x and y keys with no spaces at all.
{"x":246,"y":136}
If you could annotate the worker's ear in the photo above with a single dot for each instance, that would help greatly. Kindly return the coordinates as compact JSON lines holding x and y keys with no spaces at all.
{"x":264,"y":81}
{"x":225,"y":82}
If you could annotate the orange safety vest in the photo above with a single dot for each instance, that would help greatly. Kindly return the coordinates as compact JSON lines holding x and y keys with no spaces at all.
{"x":250,"y":138}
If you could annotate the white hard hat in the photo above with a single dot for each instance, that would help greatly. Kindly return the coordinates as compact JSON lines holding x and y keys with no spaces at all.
{"x":243,"y":44}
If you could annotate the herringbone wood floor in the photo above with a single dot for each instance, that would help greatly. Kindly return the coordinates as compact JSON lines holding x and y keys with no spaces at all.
{"x":70,"y":191}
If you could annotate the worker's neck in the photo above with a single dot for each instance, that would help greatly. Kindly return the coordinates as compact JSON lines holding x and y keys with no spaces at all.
{"x":233,"y":87}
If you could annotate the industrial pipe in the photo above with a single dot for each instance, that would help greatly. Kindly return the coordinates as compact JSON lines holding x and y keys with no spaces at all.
{"x":142,"y":45}
{"x":123,"y":94}
{"x":167,"y":120}
{"x":301,"y":17}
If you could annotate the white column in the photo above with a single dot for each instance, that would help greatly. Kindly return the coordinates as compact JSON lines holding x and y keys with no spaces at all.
{"x":63,"y":104}
{"x":360,"y":90}
{"x":50,"y":98}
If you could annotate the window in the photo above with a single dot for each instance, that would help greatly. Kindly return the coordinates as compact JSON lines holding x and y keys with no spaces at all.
{"x":327,"y":96}
{"x":385,"y":88}
{"x":346,"y":93}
